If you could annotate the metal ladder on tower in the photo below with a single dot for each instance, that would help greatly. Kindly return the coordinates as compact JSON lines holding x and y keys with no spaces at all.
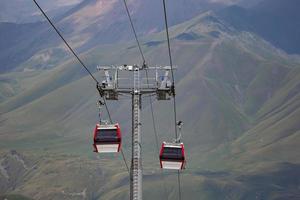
{"x":136,"y":139}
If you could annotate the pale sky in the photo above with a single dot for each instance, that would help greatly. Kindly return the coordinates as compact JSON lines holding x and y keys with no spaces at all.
{"x":225,"y":1}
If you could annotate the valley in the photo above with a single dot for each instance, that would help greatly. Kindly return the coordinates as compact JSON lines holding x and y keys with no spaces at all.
{"x":237,"y":93}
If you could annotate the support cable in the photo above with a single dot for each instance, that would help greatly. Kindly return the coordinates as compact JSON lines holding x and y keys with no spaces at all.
{"x":171,"y":65}
{"x":173,"y":85}
{"x":107,"y":110}
{"x":156,"y":138}
{"x":124,"y":159}
{"x":83,"y":65}
{"x":67,"y":44}
{"x":151,"y":105}
{"x":134,"y":32}
{"x":110,"y":119}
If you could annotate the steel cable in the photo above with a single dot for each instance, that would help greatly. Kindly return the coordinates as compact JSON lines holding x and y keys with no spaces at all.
{"x":173,"y":84}
{"x":81,"y":62}
{"x":134,"y":32}
{"x":151,"y":105}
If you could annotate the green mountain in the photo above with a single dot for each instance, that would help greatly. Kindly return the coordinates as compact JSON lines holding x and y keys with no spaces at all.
{"x":85,"y":25}
{"x":277,"y":21}
{"x":28,"y":42}
{"x":20,"y":11}
{"x":237,"y":94}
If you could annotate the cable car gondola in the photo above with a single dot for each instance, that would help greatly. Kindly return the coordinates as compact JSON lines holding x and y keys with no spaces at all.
{"x":172,"y":156}
{"x":107,"y":138}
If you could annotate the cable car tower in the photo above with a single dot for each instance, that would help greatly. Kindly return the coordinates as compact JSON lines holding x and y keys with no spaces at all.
{"x":107,"y":137}
{"x":112,"y":87}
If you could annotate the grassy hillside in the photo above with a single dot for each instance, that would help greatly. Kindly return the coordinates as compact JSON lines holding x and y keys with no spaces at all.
{"x":18,"y":11}
{"x":260,"y":19}
{"x":87,"y":24}
{"x":237,"y":95}
{"x":64,"y":177}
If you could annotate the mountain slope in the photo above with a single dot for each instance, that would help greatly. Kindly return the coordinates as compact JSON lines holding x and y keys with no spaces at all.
{"x":237,"y":95}
{"x":85,"y":25}
{"x":215,"y":86}
{"x":261,"y":19}
{"x":20,"y":11}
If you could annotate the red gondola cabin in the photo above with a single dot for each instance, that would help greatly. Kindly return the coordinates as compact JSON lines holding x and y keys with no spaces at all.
{"x":172,"y":156}
{"x":107,"y":138}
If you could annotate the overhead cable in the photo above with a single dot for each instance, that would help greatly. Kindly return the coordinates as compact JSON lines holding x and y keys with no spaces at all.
{"x":134,"y":32}
{"x":67,"y":44}
{"x":83,"y":65}
{"x":173,"y":85}
{"x":171,"y":65}
{"x":151,"y":105}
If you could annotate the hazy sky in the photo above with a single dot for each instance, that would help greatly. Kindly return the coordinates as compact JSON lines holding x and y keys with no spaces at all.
{"x":225,"y":1}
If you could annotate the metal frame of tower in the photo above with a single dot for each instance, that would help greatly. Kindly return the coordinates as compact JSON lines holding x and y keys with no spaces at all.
{"x":111,"y":89}
{"x":136,"y":163}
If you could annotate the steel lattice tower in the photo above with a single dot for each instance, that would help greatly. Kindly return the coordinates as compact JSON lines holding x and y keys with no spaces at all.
{"x":111,"y":88}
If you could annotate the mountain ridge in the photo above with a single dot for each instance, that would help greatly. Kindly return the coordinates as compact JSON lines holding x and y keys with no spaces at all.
{"x":261,"y":18}
{"x":237,"y":94}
